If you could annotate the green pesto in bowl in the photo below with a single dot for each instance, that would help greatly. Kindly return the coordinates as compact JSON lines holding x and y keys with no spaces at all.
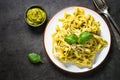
{"x":35,"y":16}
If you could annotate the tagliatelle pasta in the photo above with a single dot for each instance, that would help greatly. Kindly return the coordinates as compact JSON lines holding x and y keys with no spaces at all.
{"x":82,"y":55}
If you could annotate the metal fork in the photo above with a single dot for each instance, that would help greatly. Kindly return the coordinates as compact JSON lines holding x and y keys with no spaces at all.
{"x":103,"y":9}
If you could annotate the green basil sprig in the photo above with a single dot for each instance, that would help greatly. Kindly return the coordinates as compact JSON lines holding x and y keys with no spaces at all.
{"x":71,"y":39}
{"x":83,"y":37}
{"x":34,"y":58}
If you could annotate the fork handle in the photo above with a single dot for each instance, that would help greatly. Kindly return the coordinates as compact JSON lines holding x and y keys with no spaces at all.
{"x":113,"y":23}
{"x":115,"y":29}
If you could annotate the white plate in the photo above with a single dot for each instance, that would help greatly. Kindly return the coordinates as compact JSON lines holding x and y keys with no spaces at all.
{"x":50,"y":29}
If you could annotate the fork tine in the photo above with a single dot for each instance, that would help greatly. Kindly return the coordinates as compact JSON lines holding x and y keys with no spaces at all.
{"x":100,"y":4}
{"x":95,"y":3}
{"x":103,"y":1}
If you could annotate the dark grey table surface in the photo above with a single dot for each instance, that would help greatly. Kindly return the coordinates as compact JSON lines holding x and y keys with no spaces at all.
{"x":17,"y":39}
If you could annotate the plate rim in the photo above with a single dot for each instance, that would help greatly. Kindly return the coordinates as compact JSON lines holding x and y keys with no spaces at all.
{"x":108,"y":26}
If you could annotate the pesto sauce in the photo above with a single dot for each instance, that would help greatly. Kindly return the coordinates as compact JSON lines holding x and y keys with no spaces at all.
{"x":35,"y":16}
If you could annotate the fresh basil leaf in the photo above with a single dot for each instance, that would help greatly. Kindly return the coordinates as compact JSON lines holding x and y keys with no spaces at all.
{"x":71,"y":39}
{"x":34,"y":58}
{"x":84,"y":36}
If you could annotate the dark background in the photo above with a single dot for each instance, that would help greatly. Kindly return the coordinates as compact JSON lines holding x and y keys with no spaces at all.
{"x":17,"y":39}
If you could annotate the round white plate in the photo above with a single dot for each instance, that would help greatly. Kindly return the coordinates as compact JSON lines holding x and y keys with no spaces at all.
{"x":50,"y":29}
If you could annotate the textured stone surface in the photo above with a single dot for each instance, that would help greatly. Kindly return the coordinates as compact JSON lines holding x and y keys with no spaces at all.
{"x":17,"y":39}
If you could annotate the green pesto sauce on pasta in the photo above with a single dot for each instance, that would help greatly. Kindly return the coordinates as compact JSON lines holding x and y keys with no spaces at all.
{"x":76,"y":23}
